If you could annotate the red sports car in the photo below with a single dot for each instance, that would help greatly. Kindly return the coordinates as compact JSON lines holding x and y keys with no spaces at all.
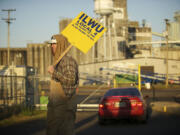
{"x":122,"y":103}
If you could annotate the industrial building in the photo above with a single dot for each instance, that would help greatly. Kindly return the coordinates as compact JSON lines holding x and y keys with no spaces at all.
{"x":174,"y":32}
{"x":39,"y":56}
{"x":115,"y":46}
{"x":118,"y":48}
{"x":18,"y":56}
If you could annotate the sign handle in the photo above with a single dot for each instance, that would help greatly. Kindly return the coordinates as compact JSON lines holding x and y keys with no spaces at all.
{"x":60,"y":57}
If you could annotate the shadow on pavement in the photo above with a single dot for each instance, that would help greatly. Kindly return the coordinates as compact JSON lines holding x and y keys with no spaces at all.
{"x":159,"y":123}
{"x":84,"y":121}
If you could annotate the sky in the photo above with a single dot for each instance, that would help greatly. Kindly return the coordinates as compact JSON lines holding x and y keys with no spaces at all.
{"x":37,"y":20}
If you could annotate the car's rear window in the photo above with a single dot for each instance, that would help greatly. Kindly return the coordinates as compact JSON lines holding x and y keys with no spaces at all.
{"x":123,"y":92}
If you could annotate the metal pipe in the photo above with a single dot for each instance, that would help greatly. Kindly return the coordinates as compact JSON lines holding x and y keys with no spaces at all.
{"x":153,"y":42}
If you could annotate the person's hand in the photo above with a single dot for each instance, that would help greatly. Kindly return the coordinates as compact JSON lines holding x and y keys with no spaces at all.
{"x":50,"y":69}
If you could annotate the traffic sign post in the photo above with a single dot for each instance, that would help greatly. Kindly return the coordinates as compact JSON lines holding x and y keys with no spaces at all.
{"x":139,"y":77}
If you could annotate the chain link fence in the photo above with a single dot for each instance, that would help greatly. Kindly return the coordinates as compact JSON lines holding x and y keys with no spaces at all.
{"x":12,"y":90}
{"x":22,"y":90}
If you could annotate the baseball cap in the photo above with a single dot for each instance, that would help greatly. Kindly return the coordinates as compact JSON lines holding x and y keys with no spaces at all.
{"x":53,"y":41}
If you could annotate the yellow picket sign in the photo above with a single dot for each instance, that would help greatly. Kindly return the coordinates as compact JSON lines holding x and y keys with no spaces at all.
{"x":83,"y":32}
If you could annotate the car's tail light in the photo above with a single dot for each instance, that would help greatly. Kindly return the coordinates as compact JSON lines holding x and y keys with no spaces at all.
{"x":101,"y":105}
{"x":133,"y":103}
{"x":139,"y":104}
{"x":136,"y":102}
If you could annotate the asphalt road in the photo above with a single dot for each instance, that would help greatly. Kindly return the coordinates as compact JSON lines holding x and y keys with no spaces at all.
{"x":87,"y":122}
{"x":159,"y":123}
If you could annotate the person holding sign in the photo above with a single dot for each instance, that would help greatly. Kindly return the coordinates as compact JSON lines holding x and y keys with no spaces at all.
{"x":83,"y":32}
{"x":62,"y":98}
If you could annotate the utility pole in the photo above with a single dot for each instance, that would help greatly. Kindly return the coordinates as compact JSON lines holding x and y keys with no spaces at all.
{"x":8,"y":21}
{"x":167,"y":49}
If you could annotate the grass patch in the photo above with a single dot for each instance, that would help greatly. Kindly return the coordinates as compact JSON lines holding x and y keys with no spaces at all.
{"x":19,"y":113}
{"x":23,"y":116}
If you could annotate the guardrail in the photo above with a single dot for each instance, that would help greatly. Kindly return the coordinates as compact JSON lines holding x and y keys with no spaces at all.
{"x":80,"y":107}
